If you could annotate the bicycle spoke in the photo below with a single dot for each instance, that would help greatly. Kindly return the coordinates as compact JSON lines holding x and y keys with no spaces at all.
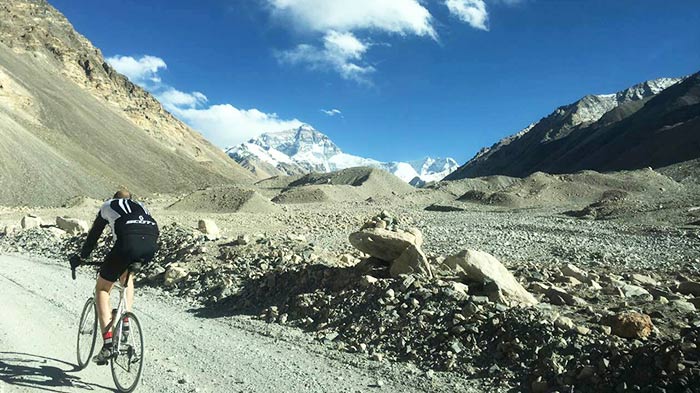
{"x":128,"y":361}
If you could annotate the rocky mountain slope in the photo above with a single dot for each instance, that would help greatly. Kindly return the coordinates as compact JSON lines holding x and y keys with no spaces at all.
{"x":654,"y":123}
{"x":73,"y":125}
{"x":306,"y":150}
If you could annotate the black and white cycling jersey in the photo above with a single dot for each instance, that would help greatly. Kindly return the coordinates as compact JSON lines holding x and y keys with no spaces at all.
{"x":125,"y":217}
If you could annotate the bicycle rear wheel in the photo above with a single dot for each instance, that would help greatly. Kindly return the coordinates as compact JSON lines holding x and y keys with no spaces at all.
{"x":127,"y":360}
{"x":87,"y":334}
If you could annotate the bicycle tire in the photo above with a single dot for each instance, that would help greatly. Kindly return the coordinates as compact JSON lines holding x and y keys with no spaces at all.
{"x":89,"y":315}
{"x":123,"y":359}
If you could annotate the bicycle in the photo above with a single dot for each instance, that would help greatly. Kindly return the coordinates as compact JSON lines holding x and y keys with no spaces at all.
{"x":127,"y":348}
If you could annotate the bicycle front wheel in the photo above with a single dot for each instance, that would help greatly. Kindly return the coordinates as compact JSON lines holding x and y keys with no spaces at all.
{"x":127,"y":360}
{"x":87,"y":334}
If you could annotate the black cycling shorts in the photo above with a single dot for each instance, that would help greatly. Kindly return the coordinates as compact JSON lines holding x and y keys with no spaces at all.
{"x":127,"y":250}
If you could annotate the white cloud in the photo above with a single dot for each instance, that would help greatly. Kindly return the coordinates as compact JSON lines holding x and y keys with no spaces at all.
{"x":332,"y":112}
{"x":140,"y":71}
{"x":172,"y":98}
{"x":224,"y":125}
{"x":341,"y":52}
{"x":472,"y":12}
{"x":339,"y":20}
{"x":394,"y":16}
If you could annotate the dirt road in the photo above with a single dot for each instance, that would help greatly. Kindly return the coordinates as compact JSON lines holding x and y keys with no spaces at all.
{"x":185,"y":353}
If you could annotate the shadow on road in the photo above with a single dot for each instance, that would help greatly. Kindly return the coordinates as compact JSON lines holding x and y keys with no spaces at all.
{"x":41,"y":373}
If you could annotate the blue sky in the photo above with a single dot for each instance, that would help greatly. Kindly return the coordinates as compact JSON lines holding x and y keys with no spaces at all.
{"x":411,"y":78}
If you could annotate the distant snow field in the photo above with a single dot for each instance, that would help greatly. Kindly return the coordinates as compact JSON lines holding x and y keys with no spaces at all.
{"x":304,"y":150}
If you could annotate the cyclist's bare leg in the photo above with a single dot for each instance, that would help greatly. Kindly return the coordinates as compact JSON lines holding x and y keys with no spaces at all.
{"x":129,"y":290}
{"x":104,"y":310}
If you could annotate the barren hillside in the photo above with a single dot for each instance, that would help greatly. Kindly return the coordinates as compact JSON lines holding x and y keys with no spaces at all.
{"x":71,"y":125}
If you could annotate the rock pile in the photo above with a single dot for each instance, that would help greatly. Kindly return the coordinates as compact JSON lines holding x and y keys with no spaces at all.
{"x":580,"y":329}
{"x":382,"y":238}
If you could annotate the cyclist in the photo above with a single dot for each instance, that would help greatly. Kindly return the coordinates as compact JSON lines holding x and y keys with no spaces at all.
{"x":135,"y":235}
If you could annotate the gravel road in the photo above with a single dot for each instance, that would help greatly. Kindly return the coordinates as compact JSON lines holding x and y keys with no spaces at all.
{"x":185,"y":353}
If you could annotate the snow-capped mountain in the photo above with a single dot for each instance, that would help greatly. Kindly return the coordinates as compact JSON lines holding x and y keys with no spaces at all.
{"x":304,"y":150}
{"x":537,"y":146}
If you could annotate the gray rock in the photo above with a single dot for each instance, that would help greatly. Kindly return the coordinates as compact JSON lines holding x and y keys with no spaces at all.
{"x":481,"y":267}
{"x":173,"y":275}
{"x":683,"y":306}
{"x":642,"y":279}
{"x":411,"y":261}
{"x":560,"y":297}
{"x":72,"y":226}
{"x":368,"y":280}
{"x":460,"y":288}
{"x":564,"y":323}
{"x":636,"y":291}
{"x":381,"y":243}
{"x":574,"y":271}
{"x":209,"y":228}
{"x":30,"y":221}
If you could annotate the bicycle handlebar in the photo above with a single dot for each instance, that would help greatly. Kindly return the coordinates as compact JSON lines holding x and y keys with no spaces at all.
{"x":73,"y":268}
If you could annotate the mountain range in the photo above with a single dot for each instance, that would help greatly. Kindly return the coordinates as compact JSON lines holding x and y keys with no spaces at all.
{"x":305,"y":150}
{"x":655,"y":123}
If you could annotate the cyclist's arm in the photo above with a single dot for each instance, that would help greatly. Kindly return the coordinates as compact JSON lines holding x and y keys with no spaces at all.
{"x":97,"y":227}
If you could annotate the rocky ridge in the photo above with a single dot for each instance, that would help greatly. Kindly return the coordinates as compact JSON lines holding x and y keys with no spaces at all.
{"x":543,"y":145}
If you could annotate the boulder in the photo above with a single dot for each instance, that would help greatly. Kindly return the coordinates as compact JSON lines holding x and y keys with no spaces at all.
{"x":55,"y":232}
{"x":382,"y":243}
{"x":683,"y":306}
{"x":30,"y":221}
{"x":636,"y":291}
{"x":72,"y":225}
{"x":483,"y":267}
{"x":173,"y":275}
{"x":560,"y":297}
{"x":574,"y":271}
{"x":411,"y":261}
{"x":209,"y":228}
{"x":631,"y":325}
{"x":642,"y":279}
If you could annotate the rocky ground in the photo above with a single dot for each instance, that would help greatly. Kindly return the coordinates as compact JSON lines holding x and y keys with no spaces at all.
{"x":577,"y":304}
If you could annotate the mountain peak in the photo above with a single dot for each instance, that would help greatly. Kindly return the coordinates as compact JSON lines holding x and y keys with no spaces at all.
{"x":304,"y":149}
